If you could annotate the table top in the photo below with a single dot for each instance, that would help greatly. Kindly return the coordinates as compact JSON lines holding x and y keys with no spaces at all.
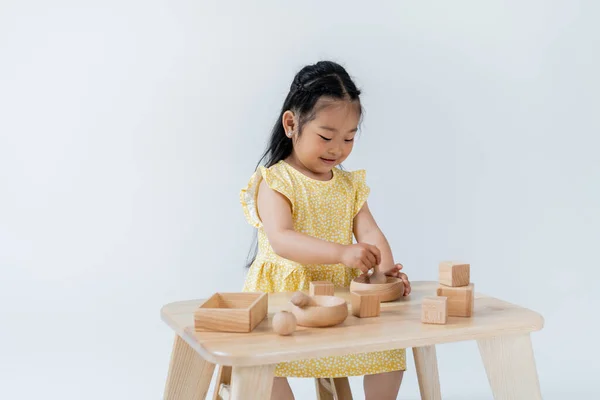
{"x":398,"y":326}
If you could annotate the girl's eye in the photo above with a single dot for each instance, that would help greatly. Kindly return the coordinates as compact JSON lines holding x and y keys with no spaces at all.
{"x":350,"y":140}
{"x":325,"y":138}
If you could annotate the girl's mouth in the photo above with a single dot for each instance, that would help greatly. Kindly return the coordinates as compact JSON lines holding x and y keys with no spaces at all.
{"x":327,"y":161}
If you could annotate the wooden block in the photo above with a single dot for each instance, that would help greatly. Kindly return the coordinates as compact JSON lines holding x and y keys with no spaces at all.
{"x":460,"y":299}
{"x":434,"y":310}
{"x":365,"y":304}
{"x":454,"y":274}
{"x":231,"y":312}
{"x":321,"y":288}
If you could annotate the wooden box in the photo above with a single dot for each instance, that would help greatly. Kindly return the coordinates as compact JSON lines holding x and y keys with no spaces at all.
{"x":460,"y":299}
{"x":454,"y":274}
{"x":434,"y":310}
{"x":321,"y":288}
{"x":231,"y":312}
{"x":365,"y":304}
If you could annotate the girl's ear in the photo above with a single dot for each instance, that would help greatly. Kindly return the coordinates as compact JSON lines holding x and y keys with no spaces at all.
{"x":289,"y":123}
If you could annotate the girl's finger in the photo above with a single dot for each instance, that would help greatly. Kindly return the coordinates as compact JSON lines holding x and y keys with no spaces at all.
{"x":377,"y":253}
{"x":363,"y":267}
{"x":371,"y":259}
{"x":405,"y":280}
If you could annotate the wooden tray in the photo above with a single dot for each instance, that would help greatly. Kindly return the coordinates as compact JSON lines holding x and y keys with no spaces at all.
{"x":231,"y":312}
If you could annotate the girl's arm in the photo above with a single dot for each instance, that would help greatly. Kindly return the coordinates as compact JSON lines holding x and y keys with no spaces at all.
{"x":276,"y":215}
{"x":366,"y":230}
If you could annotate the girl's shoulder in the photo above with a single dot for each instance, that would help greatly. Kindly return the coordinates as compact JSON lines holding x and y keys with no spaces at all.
{"x":355,"y":178}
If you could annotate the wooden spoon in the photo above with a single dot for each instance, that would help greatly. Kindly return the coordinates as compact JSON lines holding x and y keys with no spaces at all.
{"x":301,"y":299}
{"x":377,"y":276}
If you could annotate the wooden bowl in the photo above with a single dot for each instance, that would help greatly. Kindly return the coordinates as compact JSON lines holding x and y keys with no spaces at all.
{"x":392,"y":290}
{"x":321,"y":312}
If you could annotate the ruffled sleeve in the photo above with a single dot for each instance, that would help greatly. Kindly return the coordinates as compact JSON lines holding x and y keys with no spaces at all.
{"x":275,"y":179}
{"x":361,"y":189}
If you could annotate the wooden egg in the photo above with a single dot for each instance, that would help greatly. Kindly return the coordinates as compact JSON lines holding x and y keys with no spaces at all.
{"x":284,"y":323}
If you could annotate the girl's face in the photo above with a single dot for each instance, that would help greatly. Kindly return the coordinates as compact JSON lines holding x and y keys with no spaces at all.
{"x":327,"y":140}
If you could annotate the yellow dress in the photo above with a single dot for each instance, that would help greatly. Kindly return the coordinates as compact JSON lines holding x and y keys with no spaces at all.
{"x":326,"y":210}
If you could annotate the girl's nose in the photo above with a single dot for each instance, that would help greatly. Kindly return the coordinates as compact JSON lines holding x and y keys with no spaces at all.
{"x":335,"y":150}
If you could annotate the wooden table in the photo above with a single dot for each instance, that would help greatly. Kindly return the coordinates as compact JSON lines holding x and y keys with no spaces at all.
{"x":502,"y":331}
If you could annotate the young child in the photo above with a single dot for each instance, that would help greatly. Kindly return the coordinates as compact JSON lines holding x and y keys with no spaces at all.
{"x":307,"y":210}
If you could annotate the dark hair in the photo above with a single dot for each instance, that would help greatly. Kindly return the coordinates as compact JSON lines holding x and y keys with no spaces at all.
{"x":323,"y":79}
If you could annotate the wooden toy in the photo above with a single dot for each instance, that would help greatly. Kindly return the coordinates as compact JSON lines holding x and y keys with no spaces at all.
{"x":284,"y":323}
{"x":392,"y":290}
{"x":365,"y":304}
{"x":377,"y":276}
{"x":321,"y":288}
{"x":460,"y":299}
{"x":301,"y":299}
{"x":434,"y":310}
{"x":324,"y":311}
{"x":454,"y":274}
{"x":231,"y":312}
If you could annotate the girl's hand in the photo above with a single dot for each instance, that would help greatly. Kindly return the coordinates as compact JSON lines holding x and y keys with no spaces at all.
{"x":361,"y":255}
{"x":395,"y":272}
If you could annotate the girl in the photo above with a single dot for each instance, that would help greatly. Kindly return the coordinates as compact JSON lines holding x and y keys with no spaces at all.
{"x":307,"y":210}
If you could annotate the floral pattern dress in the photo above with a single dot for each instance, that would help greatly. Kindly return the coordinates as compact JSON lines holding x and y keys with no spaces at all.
{"x":325,"y":210}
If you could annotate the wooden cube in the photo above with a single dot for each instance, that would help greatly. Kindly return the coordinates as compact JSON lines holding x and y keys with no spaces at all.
{"x":231,"y":312}
{"x":321,"y":288}
{"x":434,"y":310}
{"x":460,"y":299}
{"x":454,"y":274}
{"x":365,"y":304}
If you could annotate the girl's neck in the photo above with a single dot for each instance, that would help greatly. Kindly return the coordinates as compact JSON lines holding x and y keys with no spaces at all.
{"x":294,"y":162}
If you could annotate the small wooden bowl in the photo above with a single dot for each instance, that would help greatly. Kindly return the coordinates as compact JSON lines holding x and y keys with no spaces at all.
{"x":323,"y":311}
{"x":392,"y":290}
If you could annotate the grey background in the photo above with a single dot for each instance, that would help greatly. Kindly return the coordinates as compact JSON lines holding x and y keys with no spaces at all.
{"x":127,"y":129}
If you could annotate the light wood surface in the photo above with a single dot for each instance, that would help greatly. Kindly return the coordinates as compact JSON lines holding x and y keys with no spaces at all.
{"x":510,"y":367}
{"x":189,"y":375}
{"x":398,"y":326}
{"x":427,"y":372}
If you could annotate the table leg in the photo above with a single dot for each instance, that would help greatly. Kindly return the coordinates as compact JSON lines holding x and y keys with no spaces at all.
{"x":223,"y":378}
{"x":252,"y":383}
{"x":324,"y":389}
{"x":189,"y":374}
{"x":427,"y":372}
{"x":333,"y":388}
{"x":510,"y":367}
{"x":342,"y":388}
